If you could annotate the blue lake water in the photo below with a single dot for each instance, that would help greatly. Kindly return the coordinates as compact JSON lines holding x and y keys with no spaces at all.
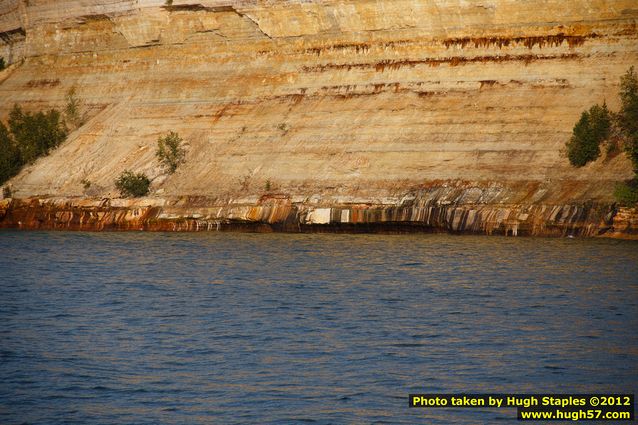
{"x":124,"y":328}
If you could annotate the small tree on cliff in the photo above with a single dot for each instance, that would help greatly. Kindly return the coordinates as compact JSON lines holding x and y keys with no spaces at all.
{"x":10,"y":160}
{"x":596,"y":125}
{"x":28,"y":137}
{"x":628,"y":115}
{"x":36,"y":134}
{"x":132,"y":185}
{"x":170,"y":152}
{"x":593,"y":127}
{"x":626,"y":193}
{"x":72,"y":112}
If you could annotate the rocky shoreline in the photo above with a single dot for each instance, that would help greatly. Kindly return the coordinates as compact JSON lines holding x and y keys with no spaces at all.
{"x":280,"y":213}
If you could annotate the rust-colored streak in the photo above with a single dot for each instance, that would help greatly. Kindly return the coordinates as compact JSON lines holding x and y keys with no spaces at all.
{"x":42,"y":83}
{"x":357,"y":47}
{"x":425,"y":94}
{"x":94,"y":18}
{"x":294,"y":98}
{"x":527,"y":41}
{"x":276,"y":212}
{"x":551,"y":40}
{"x":488,"y":83}
{"x":391,"y":64}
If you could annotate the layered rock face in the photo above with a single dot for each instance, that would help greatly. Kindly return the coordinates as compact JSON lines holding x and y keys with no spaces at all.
{"x":328,"y":106}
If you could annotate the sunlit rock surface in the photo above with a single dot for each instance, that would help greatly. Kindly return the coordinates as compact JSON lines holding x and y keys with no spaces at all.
{"x":327,"y":108}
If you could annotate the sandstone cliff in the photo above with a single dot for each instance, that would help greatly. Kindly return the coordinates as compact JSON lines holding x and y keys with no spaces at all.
{"x":333,"y":106}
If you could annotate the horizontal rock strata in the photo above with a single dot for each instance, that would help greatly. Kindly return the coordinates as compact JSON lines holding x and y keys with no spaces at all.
{"x":424,"y":212}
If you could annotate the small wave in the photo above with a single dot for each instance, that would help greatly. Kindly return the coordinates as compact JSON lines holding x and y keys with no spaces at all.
{"x":408,"y":344}
{"x":61,"y":316}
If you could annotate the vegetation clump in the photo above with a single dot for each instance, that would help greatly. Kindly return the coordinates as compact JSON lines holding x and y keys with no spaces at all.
{"x":593,"y":128}
{"x":627,"y":193}
{"x":628,"y":115}
{"x":3,"y":64}
{"x":28,"y":137}
{"x":170,"y":151}
{"x":132,"y":185}
{"x":72,"y":114}
{"x":597,"y":125}
{"x":10,"y":159}
{"x":36,"y":134}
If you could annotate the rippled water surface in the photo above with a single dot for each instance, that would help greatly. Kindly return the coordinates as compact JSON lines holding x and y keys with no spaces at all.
{"x":122,"y":328}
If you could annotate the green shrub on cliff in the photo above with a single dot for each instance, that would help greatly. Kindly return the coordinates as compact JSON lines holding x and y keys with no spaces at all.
{"x":132,"y":185}
{"x":3,"y":64}
{"x":593,"y":127}
{"x":72,"y":113}
{"x":628,"y":115}
{"x":36,"y":134}
{"x":626,"y":194}
{"x":29,"y":136}
{"x":10,"y":160}
{"x":596,"y":125}
{"x":170,"y":152}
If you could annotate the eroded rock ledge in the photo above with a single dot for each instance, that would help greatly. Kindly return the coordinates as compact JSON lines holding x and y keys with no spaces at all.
{"x":321,"y":114}
{"x":422,"y":213}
